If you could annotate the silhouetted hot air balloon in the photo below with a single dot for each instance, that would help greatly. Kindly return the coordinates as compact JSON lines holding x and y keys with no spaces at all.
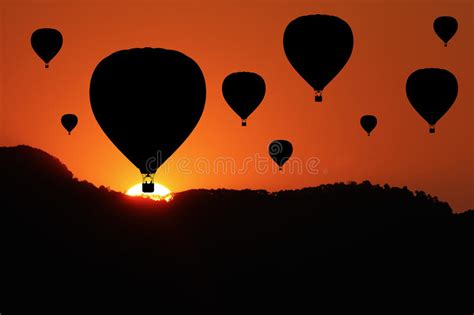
{"x":147,"y":101}
{"x":46,"y":42}
{"x":318,"y":47}
{"x":243,"y":91}
{"x":280,"y":151}
{"x":69,"y":122}
{"x":368,"y":122}
{"x":445,"y":27}
{"x":432,"y":92}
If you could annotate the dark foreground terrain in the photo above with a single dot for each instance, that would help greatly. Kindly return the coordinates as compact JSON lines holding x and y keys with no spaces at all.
{"x":321,"y":250}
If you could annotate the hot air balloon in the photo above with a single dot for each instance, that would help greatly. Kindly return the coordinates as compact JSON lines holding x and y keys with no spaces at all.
{"x":368,"y":122}
{"x":243,"y":91}
{"x":280,"y":151}
{"x":46,"y":42}
{"x":318,"y":47}
{"x":147,"y":101}
{"x":69,"y":122}
{"x":445,"y":27}
{"x":432,"y":92}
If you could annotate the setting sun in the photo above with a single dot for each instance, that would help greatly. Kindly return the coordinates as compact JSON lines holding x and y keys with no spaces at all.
{"x":160,"y":193}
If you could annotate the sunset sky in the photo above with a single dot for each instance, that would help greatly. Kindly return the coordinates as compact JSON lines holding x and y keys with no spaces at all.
{"x":391,"y":40}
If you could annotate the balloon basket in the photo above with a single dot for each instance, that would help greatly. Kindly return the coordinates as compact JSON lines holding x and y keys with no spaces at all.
{"x":244,"y":123}
{"x":318,"y":96}
{"x":432,"y":130}
{"x":148,"y":187}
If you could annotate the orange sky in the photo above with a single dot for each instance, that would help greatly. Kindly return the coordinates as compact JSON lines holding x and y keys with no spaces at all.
{"x":391,"y":41}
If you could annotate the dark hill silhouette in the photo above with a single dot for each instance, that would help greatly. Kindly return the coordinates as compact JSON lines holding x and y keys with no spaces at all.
{"x":346,"y":246}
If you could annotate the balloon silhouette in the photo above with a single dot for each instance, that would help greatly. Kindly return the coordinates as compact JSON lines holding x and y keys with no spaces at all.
{"x":69,"y":122}
{"x":432,"y":92}
{"x":243,"y":91}
{"x":368,"y":122}
{"x":46,"y":43}
{"x":318,"y":47}
{"x":445,"y":27}
{"x":147,"y":101}
{"x":280,"y":151}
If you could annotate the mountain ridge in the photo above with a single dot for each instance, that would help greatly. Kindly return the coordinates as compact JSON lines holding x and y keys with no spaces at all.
{"x":47,"y":165}
{"x":208,"y":249}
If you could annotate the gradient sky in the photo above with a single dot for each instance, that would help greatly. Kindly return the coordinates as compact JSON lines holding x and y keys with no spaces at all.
{"x":391,"y":40}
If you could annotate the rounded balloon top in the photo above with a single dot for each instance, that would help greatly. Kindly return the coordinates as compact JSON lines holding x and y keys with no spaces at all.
{"x":243,"y":91}
{"x":147,"y":101}
{"x":445,"y":27}
{"x":280,"y":151}
{"x":431,"y":92}
{"x":46,"y":42}
{"x":318,"y":47}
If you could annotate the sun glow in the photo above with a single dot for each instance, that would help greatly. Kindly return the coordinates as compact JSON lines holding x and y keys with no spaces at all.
{"x":160,"y":193}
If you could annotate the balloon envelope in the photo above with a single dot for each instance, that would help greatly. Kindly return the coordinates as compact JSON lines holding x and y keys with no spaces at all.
{"x":368,"y":122}
{"x":46,"y":42}
{"x":280,"y":151}
{"x":318,"y":47}
{"x":431,"y":92}
{"x":147,"y":101}
{"x":445,"y":27}
{"x":69,"y":122}
{"x":243,"y":91}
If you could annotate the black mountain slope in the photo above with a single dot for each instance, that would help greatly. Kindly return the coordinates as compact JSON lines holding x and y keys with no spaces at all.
{"x":338,"y":245}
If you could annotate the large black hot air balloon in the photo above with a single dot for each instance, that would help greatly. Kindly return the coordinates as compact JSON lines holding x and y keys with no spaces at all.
{"x":147,"y":101}
{"x":46,"y":42}
{"x":432,"y":92}
{"x":318,"y":47}
{"x":243,"y":91}
{"x":280,"y":151}
{"x":69,"y":122}
{"x":445,"y":27}
{"x":368,"y":122}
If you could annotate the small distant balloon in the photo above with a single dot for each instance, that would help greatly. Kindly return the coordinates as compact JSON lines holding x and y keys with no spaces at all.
{"x":243,"y":91}
{"x":318,"y":47}
{"x":69,"y":122}
{"x":432,"y":92}
{"x":280,"y":151}
{"x":368,"y":122}
{"x":445,"y":27}
{"x":46,"y":42}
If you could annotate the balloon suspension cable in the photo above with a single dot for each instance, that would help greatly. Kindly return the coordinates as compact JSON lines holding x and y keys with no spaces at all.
{"x":432,"y":129}
{"x":318,"y":96}
{"x":46,"y":65}
{"x":244,"y":122}
{"x":368,"y":134}
{"x":148,"y":176}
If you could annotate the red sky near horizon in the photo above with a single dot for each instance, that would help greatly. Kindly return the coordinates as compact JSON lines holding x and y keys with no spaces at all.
{"x":391,"y":40}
